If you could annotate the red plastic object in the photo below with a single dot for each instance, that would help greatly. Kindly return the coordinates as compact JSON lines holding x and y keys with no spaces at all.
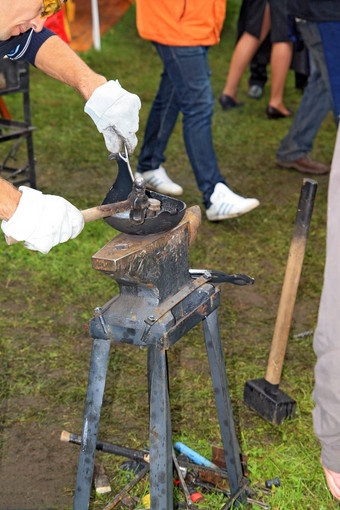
{"x":56,"y":23}
{"x":196,"y":496}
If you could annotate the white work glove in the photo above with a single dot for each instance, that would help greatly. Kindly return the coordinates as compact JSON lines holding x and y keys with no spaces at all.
{"x":115,"y":113}
{"x":43,"y":221}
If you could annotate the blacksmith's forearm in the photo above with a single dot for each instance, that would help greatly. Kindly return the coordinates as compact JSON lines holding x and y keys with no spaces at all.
{"x":9,"y":199}
{"x":58,"y":60}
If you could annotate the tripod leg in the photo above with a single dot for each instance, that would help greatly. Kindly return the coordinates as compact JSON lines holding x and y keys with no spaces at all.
{"x":94,"y":399}
{"x":223,"y":404}
{"x":151,"y":364}
{"x":161,"y":468}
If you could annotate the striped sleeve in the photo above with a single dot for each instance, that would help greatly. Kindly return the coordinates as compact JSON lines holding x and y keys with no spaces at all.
{"x":25,"y":46}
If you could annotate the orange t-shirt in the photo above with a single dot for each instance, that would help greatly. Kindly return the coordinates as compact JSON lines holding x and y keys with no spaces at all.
{"x":181,"y":22}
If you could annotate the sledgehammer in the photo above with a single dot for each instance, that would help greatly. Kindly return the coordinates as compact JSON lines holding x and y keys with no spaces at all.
{"x":264,"y":395}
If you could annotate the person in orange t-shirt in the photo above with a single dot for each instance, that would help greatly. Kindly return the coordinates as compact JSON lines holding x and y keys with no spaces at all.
{"x":182,"y":33}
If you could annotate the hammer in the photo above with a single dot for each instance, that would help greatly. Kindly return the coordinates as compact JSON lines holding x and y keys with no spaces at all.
{"x":137,"y":204}
{"x":94,"y":213}
{"x":264,"y":395}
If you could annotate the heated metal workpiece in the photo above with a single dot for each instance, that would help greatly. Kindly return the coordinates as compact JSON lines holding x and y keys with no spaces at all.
{"x":151,"y":221}
{"x":158,"y":302}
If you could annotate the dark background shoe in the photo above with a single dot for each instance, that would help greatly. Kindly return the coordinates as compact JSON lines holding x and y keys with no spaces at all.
{"x":274,"y":113}
{"x":255,"y":91}
{"x":228,"y":102}
{"x":305,"y":165}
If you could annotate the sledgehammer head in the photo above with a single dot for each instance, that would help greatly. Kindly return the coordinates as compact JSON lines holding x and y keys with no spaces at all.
{"x":268,"y":401}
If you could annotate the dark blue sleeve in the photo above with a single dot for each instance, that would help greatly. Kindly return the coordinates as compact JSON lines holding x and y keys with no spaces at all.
{"x":25,"y":46}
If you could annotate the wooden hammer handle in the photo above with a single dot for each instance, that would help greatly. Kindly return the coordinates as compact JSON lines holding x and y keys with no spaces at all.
{"x":291,"y":281}
{"x":94,"y":213}
{"x":103,"y":211}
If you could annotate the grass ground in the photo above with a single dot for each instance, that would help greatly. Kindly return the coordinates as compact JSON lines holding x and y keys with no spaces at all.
{"x":45,"y":301}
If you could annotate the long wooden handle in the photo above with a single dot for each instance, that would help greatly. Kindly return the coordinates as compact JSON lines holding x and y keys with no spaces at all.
{"x":291,"y":282}
{"x":94,"y":213}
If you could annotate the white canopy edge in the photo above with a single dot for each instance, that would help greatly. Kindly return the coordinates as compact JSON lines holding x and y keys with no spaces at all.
{"x":95,"y":25}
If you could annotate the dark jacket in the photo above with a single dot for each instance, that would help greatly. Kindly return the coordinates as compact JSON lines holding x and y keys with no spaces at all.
{"x":315,"y":10}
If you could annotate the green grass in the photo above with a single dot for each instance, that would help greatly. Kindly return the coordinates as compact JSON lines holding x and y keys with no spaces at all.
{"x":46,"y":301}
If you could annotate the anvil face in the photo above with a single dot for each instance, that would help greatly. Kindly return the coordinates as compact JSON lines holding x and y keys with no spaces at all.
{"x":157,"y":260}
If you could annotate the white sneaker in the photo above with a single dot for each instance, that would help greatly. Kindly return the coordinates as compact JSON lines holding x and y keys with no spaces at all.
{"x":226,"y":204}
{"x":158,"y":180}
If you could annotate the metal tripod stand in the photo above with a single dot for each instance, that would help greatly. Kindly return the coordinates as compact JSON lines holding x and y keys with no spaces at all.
{"x":159,"y":301}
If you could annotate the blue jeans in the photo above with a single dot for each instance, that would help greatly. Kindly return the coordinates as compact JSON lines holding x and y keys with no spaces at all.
{"x":185,"y":86}
{"x":316,"y":101}
{"x":330,"y":35}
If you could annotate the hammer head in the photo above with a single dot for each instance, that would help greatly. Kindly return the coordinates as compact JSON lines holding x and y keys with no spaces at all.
{"x":268,"y":401}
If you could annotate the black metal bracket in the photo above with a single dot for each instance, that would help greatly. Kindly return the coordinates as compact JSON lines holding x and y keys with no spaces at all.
{"x":214,"y":276}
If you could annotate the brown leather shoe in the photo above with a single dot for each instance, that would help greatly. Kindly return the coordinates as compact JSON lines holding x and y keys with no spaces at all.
{"x":305,"y":165}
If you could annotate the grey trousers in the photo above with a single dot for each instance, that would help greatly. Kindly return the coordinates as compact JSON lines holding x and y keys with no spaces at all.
{"x":316,"y":101}
{"x":326,"y":395}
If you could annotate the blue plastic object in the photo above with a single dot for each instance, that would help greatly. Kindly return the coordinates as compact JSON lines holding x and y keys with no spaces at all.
{"x":194,"y":456}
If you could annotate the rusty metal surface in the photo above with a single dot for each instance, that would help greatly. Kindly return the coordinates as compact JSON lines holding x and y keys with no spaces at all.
{"x":213,"y":478}
{"x":218,"y":458}
{"x":158,"y":300}
{"x":175,"y":299}
{"x":125,"y":253}
{"x":114,"y":255}
{"x":132,"y":328}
